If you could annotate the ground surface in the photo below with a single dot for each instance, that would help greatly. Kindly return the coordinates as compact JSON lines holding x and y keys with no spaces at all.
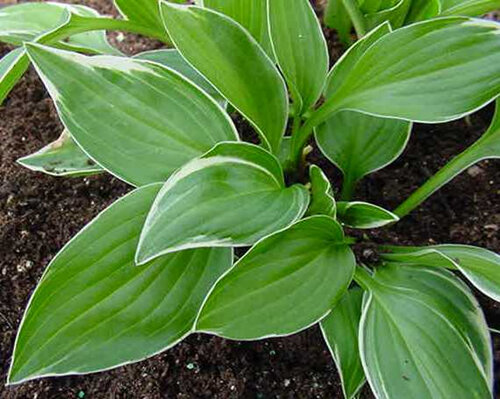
{"x":38,"y":214}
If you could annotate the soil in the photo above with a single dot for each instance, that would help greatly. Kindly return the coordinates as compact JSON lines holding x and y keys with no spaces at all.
{"x":38,"y":214}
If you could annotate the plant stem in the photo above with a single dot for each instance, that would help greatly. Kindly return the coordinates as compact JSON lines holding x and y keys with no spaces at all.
{"x":363,"y":278}
{"x":348,"y":188}
{"x":453,"y":168}
{"x":79,"y":24}
{"x":357,"y":18}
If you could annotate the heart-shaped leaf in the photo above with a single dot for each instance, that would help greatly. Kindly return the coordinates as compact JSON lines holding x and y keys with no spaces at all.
{"x":359,"y":144}
{"x":285,"y":283}
{"x":251,"y":14}
{"x":137,"y":119}
{"x":232,"y":196}
{"x":422,"y":335}
{"x":94,"y":309}
{"x":230,"y":58}
{"x":62,"y":157}
{"x":300,"y":49}
{"x":362,"y":215}
{"x":24,"y":22}
{"x":340,"y":330}
{"x":480,"y":266}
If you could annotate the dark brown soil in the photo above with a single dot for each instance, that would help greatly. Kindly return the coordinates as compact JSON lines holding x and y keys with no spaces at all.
{"x":38,"y":214}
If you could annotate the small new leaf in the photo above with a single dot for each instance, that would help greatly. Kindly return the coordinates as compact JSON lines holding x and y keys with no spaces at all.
{"x":322,"y":201}
{"x":62,"y":157}
{"x":362,"y":215}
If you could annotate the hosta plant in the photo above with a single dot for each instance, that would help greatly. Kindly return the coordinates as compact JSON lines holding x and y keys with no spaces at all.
{"x":158,"y":264}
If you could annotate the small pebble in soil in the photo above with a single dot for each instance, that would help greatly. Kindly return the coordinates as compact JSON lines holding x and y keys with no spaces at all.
{"x":475,"y":171}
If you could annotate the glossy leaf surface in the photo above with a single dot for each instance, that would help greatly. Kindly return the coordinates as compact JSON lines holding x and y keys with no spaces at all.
{"x":251,"y":14}
{"x":480,"y":266}
{"x":300,"y":49}
{"x":422,"y":335}
{"x":423,"y":9}
{"x":24,"y":22}
{"x":137,"y":119}
{"x":285,"y":283}
{"x":94,"y":309}
{"x":340,"y":330}
{"x":433,"y":71}
{"x":362,"y":215}
{"x":232,"y":196}
{"x":359,"y":144}
{"x":234,"y":63}
{"x":322,"y":201}
{"x":62,"y":157}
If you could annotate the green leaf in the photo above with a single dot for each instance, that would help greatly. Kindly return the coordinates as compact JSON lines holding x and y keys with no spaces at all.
{"x":24,"y":22}
{"x":423,"y":9}
{"x":336,"y":17}
{"x":251,"y":14}
{"x":472,"y":8}
{"x":94,"y":309}
{"x":285,"y":283}
{"x":340,"y":71}
{"x":143,"y":12}
{"x":322,"y":201}
{"x":171,"y":58}
{"x":62,"y":157}
{"x":12,"y":67}
{"x":359,"y":144}
{"x":432,"y":71}
{"x":300,"y":49}
{"x":362,"y":215}
{"x":222,"y":51}
{"x":137,"y":119}
{"x":395,"y":15}
{"x":340,"y":331}
{"x":232,"y":196}
{"x":480,"y":266}
{"x":423,"y":335}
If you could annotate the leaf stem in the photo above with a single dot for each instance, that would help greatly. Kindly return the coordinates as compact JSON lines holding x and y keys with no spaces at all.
{"x":348,"y":188}
{"x":78,"y":24}
{"x":363,"y":278}
{"x":453,"y":168}
{"x":357,"y":18}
